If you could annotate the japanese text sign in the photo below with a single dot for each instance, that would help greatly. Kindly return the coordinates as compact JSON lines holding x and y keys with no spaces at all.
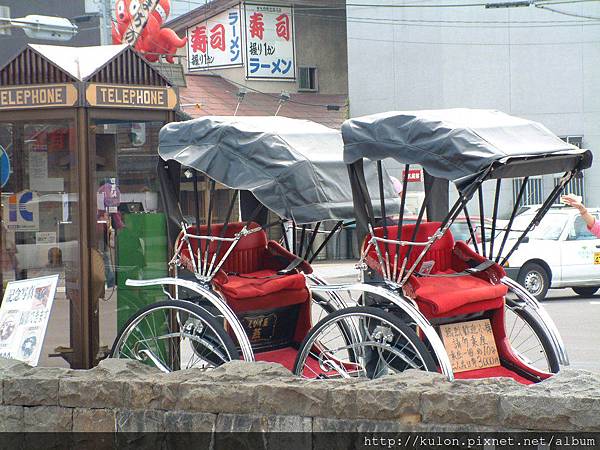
{"x":217,"y":42}
{"x":24,"y":317}
{"x":140,"y":11}
{"x":470,"y":345}
{"x":269,"y":42}
{"x":414,"y":175}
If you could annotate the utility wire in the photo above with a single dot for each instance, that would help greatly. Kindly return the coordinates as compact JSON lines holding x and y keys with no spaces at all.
{"x":565,"y":13}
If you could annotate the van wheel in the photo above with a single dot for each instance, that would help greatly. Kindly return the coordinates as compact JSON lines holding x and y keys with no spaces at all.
{"x":535,"y":279}
{"x":586,"y":291}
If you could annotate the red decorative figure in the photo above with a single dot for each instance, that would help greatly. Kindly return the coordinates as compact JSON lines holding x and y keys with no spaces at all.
{"x":199,"y":40}
{"x":152,"y":41}
{"x":257,"y":26}
{"x":282,"y":26}
{"x":217,"y":37}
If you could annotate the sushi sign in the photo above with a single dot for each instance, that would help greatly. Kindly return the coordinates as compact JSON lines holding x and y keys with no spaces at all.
{"x":216,"y":42}
{"x":270,"y":52}
{"x":259,"y":37}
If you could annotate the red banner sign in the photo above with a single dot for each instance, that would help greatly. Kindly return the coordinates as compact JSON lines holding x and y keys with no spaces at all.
{"x":414,"y":175}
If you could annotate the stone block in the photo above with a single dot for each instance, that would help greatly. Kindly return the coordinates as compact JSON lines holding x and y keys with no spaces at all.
{"x":294,"y":397}
{"x":150,"y":394}
{"x":459,"y":408}
{"x":36,"y":387}
{"x":217,"y":397}
{"x":182,"y":421}
{"x":12,"y":367}
{"x":325,"y":425}
{"x":11,"y":419}
{"x":550,"y":412}
{"x":265,"y":432}
{"x":125,"y":368}
{"x":261,"y":424}
{"x":89,"y":390}
{"x":47,"y":419}
{"x":242,"y":371}
{"x":144,"y":421}
{"x":94,"y":420}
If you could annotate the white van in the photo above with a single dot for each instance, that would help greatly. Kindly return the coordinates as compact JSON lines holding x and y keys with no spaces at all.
{"x":559,"y":253}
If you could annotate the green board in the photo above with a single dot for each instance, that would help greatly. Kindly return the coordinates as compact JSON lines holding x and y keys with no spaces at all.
{"x":142,"y":252}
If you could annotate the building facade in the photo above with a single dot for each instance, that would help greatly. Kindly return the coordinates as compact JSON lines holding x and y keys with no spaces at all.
{"x":269,"y":36}
{"x":530,"y":62}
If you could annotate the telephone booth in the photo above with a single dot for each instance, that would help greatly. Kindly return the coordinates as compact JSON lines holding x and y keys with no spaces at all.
{"x":80,"y":197}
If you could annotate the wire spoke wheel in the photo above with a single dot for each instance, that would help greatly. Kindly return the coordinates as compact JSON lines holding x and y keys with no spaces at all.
{"x":529,"y":341}
{"x":363,"y":342}
{"x":174,"y":335}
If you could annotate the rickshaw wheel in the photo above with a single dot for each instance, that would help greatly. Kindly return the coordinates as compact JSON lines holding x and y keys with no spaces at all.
{"x":387,"y":345}
{"x":173,"y":335}
{"x":529,"y":341}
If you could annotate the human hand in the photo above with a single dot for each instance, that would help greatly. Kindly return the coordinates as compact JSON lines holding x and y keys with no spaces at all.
{"x":573,"y":200}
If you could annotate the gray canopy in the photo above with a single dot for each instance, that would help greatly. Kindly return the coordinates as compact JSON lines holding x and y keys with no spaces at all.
{"x":293,"y":167}
{"x":461,"y":145}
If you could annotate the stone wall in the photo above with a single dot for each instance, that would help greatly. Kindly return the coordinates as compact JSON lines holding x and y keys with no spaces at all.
{"x":121,"y":395}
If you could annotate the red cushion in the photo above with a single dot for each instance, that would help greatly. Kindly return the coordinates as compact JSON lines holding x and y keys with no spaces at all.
{"x":252,"y":294}
{"x":441,"y":296}
{"x":261,"y":282}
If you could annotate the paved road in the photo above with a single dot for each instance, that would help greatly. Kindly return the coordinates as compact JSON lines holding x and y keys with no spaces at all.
{"x":577,"y":318}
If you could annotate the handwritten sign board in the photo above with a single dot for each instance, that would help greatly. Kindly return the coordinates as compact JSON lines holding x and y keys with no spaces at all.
{"x":24,"y":315}
{"x":216,"y":42}
{"x":38,"y":96}
{"x":470,"y":345}
{"x":120,"y":96}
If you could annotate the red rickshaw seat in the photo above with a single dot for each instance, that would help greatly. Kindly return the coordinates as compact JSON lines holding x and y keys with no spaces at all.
{"x":249,"y":279}
{"x":443,"y":296}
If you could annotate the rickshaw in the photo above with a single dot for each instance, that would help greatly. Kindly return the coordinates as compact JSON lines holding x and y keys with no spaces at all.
{"x":233,"y":293}
{"x":438,"y":287}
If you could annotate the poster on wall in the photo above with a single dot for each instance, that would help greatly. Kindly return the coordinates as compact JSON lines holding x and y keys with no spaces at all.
{"x":22,"y":213}
{"x":270,"y":52}
{"x":24,"y":315}
{"x":217,"y":42}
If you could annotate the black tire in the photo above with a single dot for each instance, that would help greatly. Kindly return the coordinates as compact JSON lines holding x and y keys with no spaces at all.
{"x":408,"y":334}
{"x":586,"y":291}
{"x":535,"y":279}
{"x":216,"y":332}
{"x":548,"y":348}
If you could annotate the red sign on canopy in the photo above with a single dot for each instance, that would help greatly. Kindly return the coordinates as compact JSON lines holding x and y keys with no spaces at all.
{"x":414,"y":175}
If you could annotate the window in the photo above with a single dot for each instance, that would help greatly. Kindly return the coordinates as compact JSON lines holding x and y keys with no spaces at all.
{"x":576,"y":185}
{"x":307,"y":79}
{"x":534,"y":191}
{"x":550,"y":227}
{"x":4,"y":27}
{"x":580,"y":231}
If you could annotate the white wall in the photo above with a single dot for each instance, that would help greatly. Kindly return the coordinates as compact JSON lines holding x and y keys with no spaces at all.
{"x":541,"y":70}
